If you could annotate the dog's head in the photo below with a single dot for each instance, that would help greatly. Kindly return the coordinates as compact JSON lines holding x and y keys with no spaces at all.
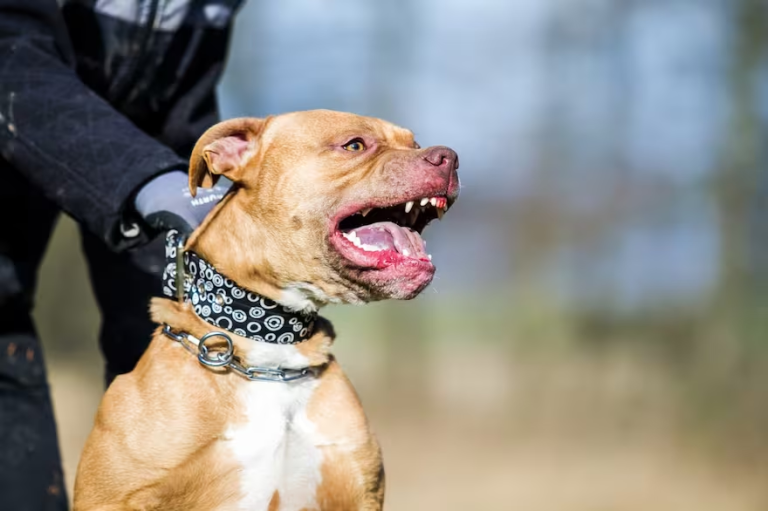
{"x":326,"y":206}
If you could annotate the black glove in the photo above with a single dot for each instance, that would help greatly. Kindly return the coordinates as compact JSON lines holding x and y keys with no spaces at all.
{"x":165,"y":202}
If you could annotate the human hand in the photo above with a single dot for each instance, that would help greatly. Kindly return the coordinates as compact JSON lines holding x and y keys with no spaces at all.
{"x":165,"y":202}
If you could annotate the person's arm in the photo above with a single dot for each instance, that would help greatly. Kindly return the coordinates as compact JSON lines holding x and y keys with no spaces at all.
{"x":84,"y":155}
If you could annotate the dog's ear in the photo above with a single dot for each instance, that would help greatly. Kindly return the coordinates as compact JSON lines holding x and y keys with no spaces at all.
{"x":224,"y":150}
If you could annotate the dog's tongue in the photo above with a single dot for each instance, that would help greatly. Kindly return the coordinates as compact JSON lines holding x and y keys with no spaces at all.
{"x":390,"y":236}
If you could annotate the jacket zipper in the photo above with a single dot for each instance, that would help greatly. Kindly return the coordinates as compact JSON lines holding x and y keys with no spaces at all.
{"x":144,"y":38}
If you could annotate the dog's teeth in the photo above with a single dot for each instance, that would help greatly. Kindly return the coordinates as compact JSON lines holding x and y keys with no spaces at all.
{"x":352,"y":237}
{"x":440,"y":213}
{"x":424,"y":201}
{"x":429,"y":256}
{"x":366,"y":211}
{"x":406,"y":253}
{"x":408,"y":206}
{"x":433,"y":201}
{"x":414,"y":216}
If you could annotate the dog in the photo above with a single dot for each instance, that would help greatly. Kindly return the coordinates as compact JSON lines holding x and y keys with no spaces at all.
{"x":326,"y":207}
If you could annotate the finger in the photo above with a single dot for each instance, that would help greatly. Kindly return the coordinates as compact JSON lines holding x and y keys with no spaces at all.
{"x":165,"y":221}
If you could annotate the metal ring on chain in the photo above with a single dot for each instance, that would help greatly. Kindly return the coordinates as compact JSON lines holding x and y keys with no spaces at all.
{"x":211,"y":358}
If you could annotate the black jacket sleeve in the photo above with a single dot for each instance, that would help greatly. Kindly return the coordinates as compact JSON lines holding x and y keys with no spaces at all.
{"x":83,"y":154}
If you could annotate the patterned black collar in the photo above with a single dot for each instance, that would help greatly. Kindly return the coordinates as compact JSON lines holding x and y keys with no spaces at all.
{"x":220,"y":302}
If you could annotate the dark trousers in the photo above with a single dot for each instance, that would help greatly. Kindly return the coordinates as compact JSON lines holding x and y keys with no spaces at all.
{"x":30,"y":467}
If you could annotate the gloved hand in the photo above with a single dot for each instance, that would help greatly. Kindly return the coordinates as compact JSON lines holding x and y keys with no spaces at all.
{"x":166,"y":203}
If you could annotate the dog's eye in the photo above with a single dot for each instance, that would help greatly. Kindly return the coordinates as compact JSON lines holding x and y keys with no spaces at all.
{"x":357,"y":145}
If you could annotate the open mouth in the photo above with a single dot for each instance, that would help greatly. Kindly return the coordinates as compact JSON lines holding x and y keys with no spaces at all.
{"x":376,"y":236}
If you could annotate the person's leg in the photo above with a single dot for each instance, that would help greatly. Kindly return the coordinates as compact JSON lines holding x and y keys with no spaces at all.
{"x":30,"y":465}
{"x":123,"y":285}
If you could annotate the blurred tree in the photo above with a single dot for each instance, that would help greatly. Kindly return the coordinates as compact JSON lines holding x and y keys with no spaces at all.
{"x":737,"y":182}
{"x":743,"y":156}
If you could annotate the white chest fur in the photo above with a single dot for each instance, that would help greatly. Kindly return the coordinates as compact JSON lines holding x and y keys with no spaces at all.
{"x":278,"y":446}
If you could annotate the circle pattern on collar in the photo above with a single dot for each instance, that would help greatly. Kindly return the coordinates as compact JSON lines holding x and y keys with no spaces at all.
{"x":219,"y":301}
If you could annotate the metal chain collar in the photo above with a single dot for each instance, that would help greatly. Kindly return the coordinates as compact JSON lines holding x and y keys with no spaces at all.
{"x":216,"y":357}
{"x":209,"y":357}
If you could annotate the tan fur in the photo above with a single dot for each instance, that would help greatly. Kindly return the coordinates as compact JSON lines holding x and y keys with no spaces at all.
{"x":160,"y":436}
{"x":353,"y":472}
{"x":147,"y":440}
{"x":274,"y":504}
{"x":317,"y":348}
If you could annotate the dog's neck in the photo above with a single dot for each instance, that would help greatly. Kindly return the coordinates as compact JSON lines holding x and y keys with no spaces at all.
{"x":233,"y":220}
{"x":311,"y":344}
{"x":220,"y":301}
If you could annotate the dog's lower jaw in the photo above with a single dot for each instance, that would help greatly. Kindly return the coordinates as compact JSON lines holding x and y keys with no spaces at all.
{"x":370,"y":287}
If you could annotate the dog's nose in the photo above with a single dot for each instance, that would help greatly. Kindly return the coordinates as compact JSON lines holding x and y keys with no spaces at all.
{"x":441,"y":156}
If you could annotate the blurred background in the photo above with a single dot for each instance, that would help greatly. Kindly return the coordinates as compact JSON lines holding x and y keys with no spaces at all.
{"x":596,"y":338}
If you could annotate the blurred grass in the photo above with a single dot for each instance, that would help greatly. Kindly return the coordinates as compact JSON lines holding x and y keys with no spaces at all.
{"x":500,"y":403}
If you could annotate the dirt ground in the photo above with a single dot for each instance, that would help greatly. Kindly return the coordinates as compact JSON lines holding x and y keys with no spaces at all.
{"x":458,"y":459}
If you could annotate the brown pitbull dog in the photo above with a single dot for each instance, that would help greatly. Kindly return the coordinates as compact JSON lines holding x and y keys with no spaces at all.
{"x":326,"y":207}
